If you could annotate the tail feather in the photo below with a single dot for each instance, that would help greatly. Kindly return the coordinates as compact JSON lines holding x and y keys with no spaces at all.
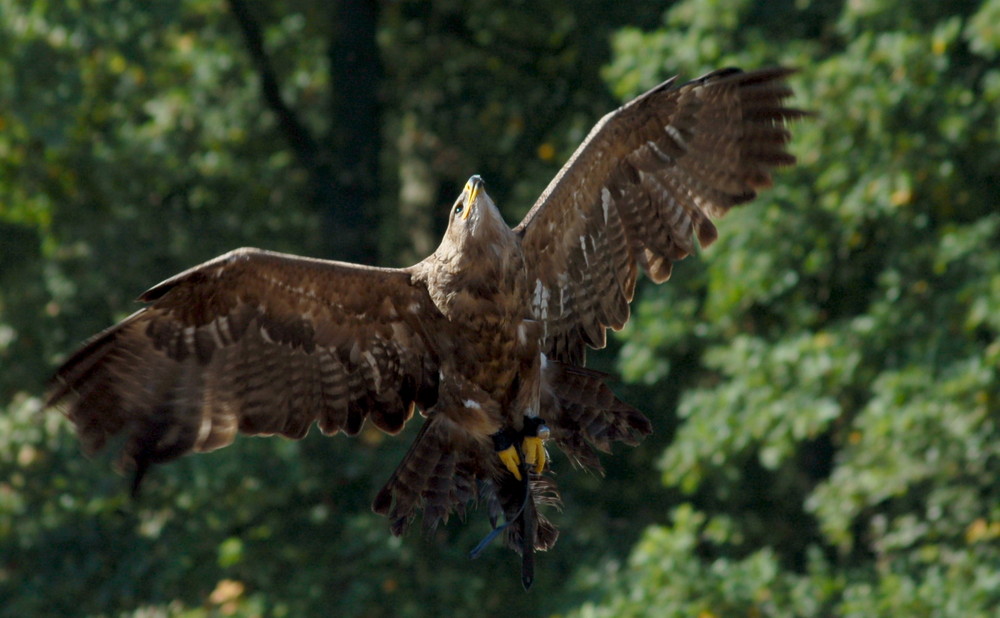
{"x":585,"y":416}
{"x":438,"y":475}
{"x":510,"y":495}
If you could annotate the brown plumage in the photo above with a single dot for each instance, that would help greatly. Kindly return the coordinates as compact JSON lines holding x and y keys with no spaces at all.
{"x":483,"y":337}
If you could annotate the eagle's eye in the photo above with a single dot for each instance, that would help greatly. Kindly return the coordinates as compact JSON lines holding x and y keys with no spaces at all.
{"x":459,"y":208}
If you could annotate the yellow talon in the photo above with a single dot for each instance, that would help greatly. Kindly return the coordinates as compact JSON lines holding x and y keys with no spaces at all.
{"x":534,"y":453}
{"x":510,"y":459}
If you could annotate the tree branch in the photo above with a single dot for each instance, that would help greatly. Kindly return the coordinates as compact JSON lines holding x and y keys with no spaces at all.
{"x":298,"y":136}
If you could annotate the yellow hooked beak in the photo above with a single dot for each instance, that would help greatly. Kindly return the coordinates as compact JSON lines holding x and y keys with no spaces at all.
{"x":472,"y":189}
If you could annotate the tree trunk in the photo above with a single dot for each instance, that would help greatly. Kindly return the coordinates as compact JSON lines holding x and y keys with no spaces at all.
{"x":347,"y":186}
{"x":343,"y":168}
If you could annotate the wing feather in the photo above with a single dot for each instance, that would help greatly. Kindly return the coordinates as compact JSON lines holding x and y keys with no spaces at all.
{"x":259,"y":343}
{"x":643,"y":185}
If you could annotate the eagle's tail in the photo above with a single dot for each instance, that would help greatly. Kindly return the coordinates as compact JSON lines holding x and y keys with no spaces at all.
{"x":518,"y":500}
{"x":585,"y":416}
{"x":437,"y":475}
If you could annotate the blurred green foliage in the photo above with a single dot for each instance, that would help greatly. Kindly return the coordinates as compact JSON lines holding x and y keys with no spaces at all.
{"x":839,"y":446}
{"x":823,"y":380}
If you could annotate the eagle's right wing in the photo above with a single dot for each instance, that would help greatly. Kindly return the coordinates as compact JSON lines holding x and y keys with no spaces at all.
{"x":254,"y":342}
{"x":638,"y":191}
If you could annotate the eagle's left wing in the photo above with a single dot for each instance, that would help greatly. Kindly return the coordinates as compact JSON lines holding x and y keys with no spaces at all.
{"x":637,"y":191}
{"x":260,"y":343}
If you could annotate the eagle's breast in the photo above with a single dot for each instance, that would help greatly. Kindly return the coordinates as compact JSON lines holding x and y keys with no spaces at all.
{"x":481,"y":287}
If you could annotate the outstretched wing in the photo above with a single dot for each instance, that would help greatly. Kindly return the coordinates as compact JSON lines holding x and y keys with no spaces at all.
{"x":254,"y":342}
{"x":637,"y":191}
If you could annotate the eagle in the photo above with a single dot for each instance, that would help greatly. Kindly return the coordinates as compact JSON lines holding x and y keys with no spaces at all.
{"x":486,"y":337}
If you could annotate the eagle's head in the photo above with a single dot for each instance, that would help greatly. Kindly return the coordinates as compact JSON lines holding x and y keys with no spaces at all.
{"x":478,"y":250}
{"x":475,"y":220}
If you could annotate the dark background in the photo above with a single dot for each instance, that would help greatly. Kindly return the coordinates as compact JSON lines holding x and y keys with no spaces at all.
{"x":823,"y":381}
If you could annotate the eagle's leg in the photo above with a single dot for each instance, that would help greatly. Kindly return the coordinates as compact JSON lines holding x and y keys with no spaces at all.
{"x":536,"y":432}
{"x":504,"y":441}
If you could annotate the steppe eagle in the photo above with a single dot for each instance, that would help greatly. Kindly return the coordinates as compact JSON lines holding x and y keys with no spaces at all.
{"x":486,"y":336}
